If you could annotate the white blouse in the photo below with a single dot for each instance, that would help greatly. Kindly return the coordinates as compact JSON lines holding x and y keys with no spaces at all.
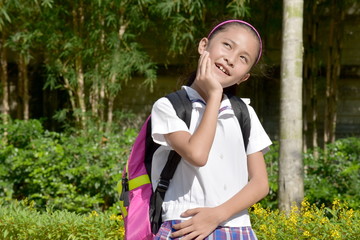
{"x":225,"y":172}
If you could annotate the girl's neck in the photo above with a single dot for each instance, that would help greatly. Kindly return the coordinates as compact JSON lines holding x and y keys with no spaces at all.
{"x":200,"y":91}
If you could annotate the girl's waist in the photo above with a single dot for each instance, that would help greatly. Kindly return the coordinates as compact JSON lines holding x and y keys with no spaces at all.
{"x":173,"y":210}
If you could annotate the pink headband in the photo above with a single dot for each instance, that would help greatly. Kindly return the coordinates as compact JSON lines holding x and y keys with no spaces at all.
{"x":242,"y":22}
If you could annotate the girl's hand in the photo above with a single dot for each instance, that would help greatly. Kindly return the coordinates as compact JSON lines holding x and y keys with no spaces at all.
{"x":203,"y":222}
{"x":205,"y":78}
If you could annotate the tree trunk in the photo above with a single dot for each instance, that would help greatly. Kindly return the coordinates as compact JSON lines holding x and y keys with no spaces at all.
{"x":4,"y":83}
{"x":96,"y":97}
{"x":71,"y":97}
{"x":80,"y":90}
{"x":333,"y":71}
{"x":311,"y":72}
{"x":111,"y":97}
{"x":111,"y":100}
{"x":291,"y":178}
{"x":313,"y":80}
{"x":78,"y":22}
{"x":306,"y":99}
{"x":24,"y":87}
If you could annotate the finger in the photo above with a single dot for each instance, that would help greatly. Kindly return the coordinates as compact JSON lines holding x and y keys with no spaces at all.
{"x":181,"y":232}
{"x":205,"y":57}
{"x":191,"y":236}
{"x":208,"y":66}
{"x":200,"y":237}
{"x":181,"y":225}
{"x":190,"y":212}
{"x":199,"y":65}
{"x":201,"y":58}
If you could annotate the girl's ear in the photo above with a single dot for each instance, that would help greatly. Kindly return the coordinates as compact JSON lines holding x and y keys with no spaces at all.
{"x":244,"y":78}
{"x":203,"y":45}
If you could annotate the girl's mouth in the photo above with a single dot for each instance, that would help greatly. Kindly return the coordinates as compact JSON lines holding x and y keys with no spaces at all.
{"x":221,"y":68}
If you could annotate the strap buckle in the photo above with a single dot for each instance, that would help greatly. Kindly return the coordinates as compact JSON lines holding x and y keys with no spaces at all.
{"x":163,"y":185}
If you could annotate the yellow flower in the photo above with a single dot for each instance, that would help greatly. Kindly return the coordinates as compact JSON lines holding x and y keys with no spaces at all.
{"x":350,"y":213}
{"x":336,"y":204}
{"x":122,"y":232}
{"x":118,"y":218}
{"x":335,"y":234}
{"x":305,"y":204}
{"x":293,"y":219}
{"x":324,"y":220}
{"x":306,"y":234}
{"x":308,"y":214}
{"x":94,"y":214}
{"x":263,"y":227}
{"x":258,"y":210}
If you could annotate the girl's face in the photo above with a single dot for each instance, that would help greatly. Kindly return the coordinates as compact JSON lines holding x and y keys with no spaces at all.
{"x":233,"y":52}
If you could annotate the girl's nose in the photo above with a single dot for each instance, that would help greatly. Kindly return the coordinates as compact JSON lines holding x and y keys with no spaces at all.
{"x":230,"y":60}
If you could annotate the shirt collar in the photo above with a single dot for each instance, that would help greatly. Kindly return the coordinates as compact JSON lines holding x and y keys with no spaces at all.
{"x":199,"y":102}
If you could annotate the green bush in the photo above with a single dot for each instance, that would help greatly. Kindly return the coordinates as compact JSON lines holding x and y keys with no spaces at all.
{"x":77,"y":171}
{"x":20,"y":221}
{"x":21,"y":133}
{"x":334,"y":174}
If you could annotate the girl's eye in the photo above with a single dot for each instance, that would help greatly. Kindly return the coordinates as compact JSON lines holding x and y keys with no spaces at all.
{"x":227,"y":45}
{"x":243,"y":58}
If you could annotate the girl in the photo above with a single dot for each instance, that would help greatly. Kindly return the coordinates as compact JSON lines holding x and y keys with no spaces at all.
{"x":216,"y":180}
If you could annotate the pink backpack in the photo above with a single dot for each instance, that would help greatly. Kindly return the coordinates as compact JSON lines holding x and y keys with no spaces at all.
{"x":136,"y":189}
{"x":141,"y":207}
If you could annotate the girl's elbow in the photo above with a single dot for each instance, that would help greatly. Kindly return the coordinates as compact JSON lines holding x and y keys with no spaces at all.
{"x":266,"y":191}
{"x":262,"y":186}
{"x":199,"y":164}
{"x":198,"y":159}
{"x":265,"y":188}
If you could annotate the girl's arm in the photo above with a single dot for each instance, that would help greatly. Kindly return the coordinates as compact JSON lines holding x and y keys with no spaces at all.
{"x":195,"y":147}
{"x":205,"y":220}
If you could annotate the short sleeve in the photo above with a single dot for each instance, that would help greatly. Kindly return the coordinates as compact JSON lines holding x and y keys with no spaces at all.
{"x":258,"y":140}
{"x":164,"y":120}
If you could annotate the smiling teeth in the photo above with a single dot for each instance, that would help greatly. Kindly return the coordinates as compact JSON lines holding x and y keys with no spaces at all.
{"x":222,"y":69}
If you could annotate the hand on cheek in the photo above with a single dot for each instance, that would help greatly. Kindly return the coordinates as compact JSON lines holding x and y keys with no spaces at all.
{"x":205,"y":78}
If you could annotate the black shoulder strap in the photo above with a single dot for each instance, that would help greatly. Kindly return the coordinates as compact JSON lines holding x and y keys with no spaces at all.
{"x":242,"y":114}
{"x":183,"y":108}
{"x":181,"y":104}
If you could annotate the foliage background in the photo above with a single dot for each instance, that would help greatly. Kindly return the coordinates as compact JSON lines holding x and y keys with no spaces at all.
{"x":78,"y":171}
{"x":75,"y":171}
{"x":82,"y":55}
